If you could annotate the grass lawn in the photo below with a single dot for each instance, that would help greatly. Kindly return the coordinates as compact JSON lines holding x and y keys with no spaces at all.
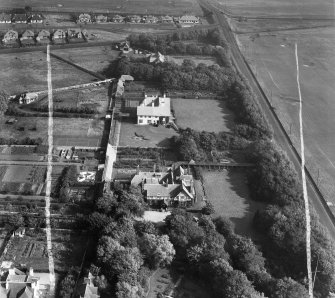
{"x":94,"y":59}
{"x":208,"y":115}
{"x":66,"y":131}
{"x":22,"y":72}
{"x":132,"y":6}
{"x":134,"y":135}
{"x":197,"y":59}
{"x":229,"y":193}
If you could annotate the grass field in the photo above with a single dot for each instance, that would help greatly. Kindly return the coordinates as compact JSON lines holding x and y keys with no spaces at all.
{"x":28,"y":72}
{"x":319,"y":8}
{"x":94,"y":59}
{"x":208,"y":115}
{"x":317,"y":76}
{"x":66,"y":131}
{"x":132,"y":6}
{"x":134,"y":135}
{"x":229,"y":193}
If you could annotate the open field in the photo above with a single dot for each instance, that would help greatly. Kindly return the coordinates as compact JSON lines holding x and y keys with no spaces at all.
{"x":28,"y":72}
{"x":195,"y":113}
{"x":68,"y":250}
{"x":321,"y":8}
{"x":94,"y":59}
{"x":132,"y":6}
{"x":208,"y":61}
{"x":66,"y":131}
{"x":265,"y":25}
{"x":317,"y":76}
{"x":229,"y":193}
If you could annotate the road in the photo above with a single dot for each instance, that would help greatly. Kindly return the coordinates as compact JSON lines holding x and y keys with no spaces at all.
{"x":280,"y":135}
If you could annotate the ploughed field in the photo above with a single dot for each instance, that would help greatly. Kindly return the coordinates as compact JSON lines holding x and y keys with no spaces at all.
{"x":272,"y":58}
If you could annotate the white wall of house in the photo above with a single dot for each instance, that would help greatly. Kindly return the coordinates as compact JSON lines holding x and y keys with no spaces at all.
{"x":144,"y":120}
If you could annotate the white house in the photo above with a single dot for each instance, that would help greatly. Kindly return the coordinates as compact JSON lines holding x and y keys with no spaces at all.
{"x":154,"y":110}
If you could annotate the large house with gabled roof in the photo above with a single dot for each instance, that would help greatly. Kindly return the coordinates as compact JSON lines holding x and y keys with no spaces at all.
{"x":173,"y":188}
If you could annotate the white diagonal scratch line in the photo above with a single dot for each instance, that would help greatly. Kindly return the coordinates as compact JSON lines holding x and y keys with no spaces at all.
{"x":304,"y":186}
{"x":48,"y":186}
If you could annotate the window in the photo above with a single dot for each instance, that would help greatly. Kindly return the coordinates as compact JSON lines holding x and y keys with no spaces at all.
{"x":149,"y":121}
{"x":140,"y":121}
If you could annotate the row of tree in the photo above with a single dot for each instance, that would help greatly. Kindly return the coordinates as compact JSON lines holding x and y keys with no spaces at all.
{"x":197,"y":146}
{"x":172,"y":76}
{"x":166,"y":43}
{"x":65,"y":109}
{"x":225,"y":264}
{"x":276,"y":183}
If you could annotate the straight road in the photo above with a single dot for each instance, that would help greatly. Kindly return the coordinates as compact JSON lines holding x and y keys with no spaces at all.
{"x":280,"y":135}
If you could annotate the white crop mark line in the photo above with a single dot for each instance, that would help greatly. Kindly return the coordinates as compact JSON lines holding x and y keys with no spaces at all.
{"x":48,"y":186}
{"x":304,"y":185}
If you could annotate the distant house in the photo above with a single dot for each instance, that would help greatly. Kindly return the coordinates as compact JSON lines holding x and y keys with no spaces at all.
{"x":74,"y":35}
{"x":19,"y":18}
{"x":124,"y":47}
{"x":166,"y":19}
{"x":134,"y":19}
{"x":43,"y":37}
{"x":27,"y":98}
{"x":188,"y":20}
{"x":150,"y":19}
{"x":5,"y":18}
{"x":27,"y":38}
{"x":156,"y":58}
{"x":19,"y":284}
{"x":174,"y":188}
{"x":84,"y":18}
{"x":59,"y":36}
{"x":154,"y":110}
{"x":36,"y":19}
{"x":86,"y":288}
{"x":101,"y":18}
{"x":20,"y":232}
{"x":117,"y":19}
{"x":10,"y":37}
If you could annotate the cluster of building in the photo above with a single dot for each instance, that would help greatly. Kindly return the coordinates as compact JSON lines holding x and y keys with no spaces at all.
{"x":16,"y":283}
{"x":21,"y":18}
{"x":29,"y":37}
{"x":86,"y":18}
{"x":174,"y":188}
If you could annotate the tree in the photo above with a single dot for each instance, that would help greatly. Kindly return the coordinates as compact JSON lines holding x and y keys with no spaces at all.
{"x":126,"y":290}
{"x":67,"y":285}
{"x":4,"y":99}
{"x":287,"y":287}
{"x":158,"y":250}
{"x":16,"y":221}
{"x":208,"y":209}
